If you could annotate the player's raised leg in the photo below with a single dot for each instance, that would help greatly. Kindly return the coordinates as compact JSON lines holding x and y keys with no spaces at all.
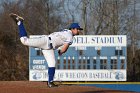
{"x":19,"y":21}
{"x":34,"y":42}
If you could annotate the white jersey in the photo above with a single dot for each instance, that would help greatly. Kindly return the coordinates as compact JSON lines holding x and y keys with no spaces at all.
{"x":60,"y":38}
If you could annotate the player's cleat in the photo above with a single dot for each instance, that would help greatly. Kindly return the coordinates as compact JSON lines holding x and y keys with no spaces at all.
{"x":16,"y":18}
{"x":51,"y":84}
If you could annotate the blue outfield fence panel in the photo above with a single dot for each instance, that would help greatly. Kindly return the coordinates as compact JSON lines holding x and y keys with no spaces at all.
{"x":123,"y":87}
{"x":89,"y":58}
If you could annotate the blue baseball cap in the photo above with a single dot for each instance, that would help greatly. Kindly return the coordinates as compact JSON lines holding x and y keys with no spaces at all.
{"x":75,"y":25}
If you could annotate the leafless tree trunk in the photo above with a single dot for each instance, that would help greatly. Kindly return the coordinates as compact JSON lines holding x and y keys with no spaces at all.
{"x":84,"y":16}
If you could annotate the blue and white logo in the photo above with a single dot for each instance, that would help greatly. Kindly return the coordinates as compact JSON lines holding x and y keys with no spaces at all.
{"x":36,"y":75}
{"x":119,"y":75}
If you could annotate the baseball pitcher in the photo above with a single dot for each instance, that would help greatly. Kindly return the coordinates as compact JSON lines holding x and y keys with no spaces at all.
{"x":48,"y":43}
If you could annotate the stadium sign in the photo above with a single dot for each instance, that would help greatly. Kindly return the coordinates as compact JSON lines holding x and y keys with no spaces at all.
{"x":89,"y":58}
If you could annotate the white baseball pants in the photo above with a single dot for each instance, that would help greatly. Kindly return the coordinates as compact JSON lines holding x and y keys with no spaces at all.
{"x":43,"y":43}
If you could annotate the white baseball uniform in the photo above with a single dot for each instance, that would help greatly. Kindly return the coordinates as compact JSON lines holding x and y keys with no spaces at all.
{"x":44,"y":42}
